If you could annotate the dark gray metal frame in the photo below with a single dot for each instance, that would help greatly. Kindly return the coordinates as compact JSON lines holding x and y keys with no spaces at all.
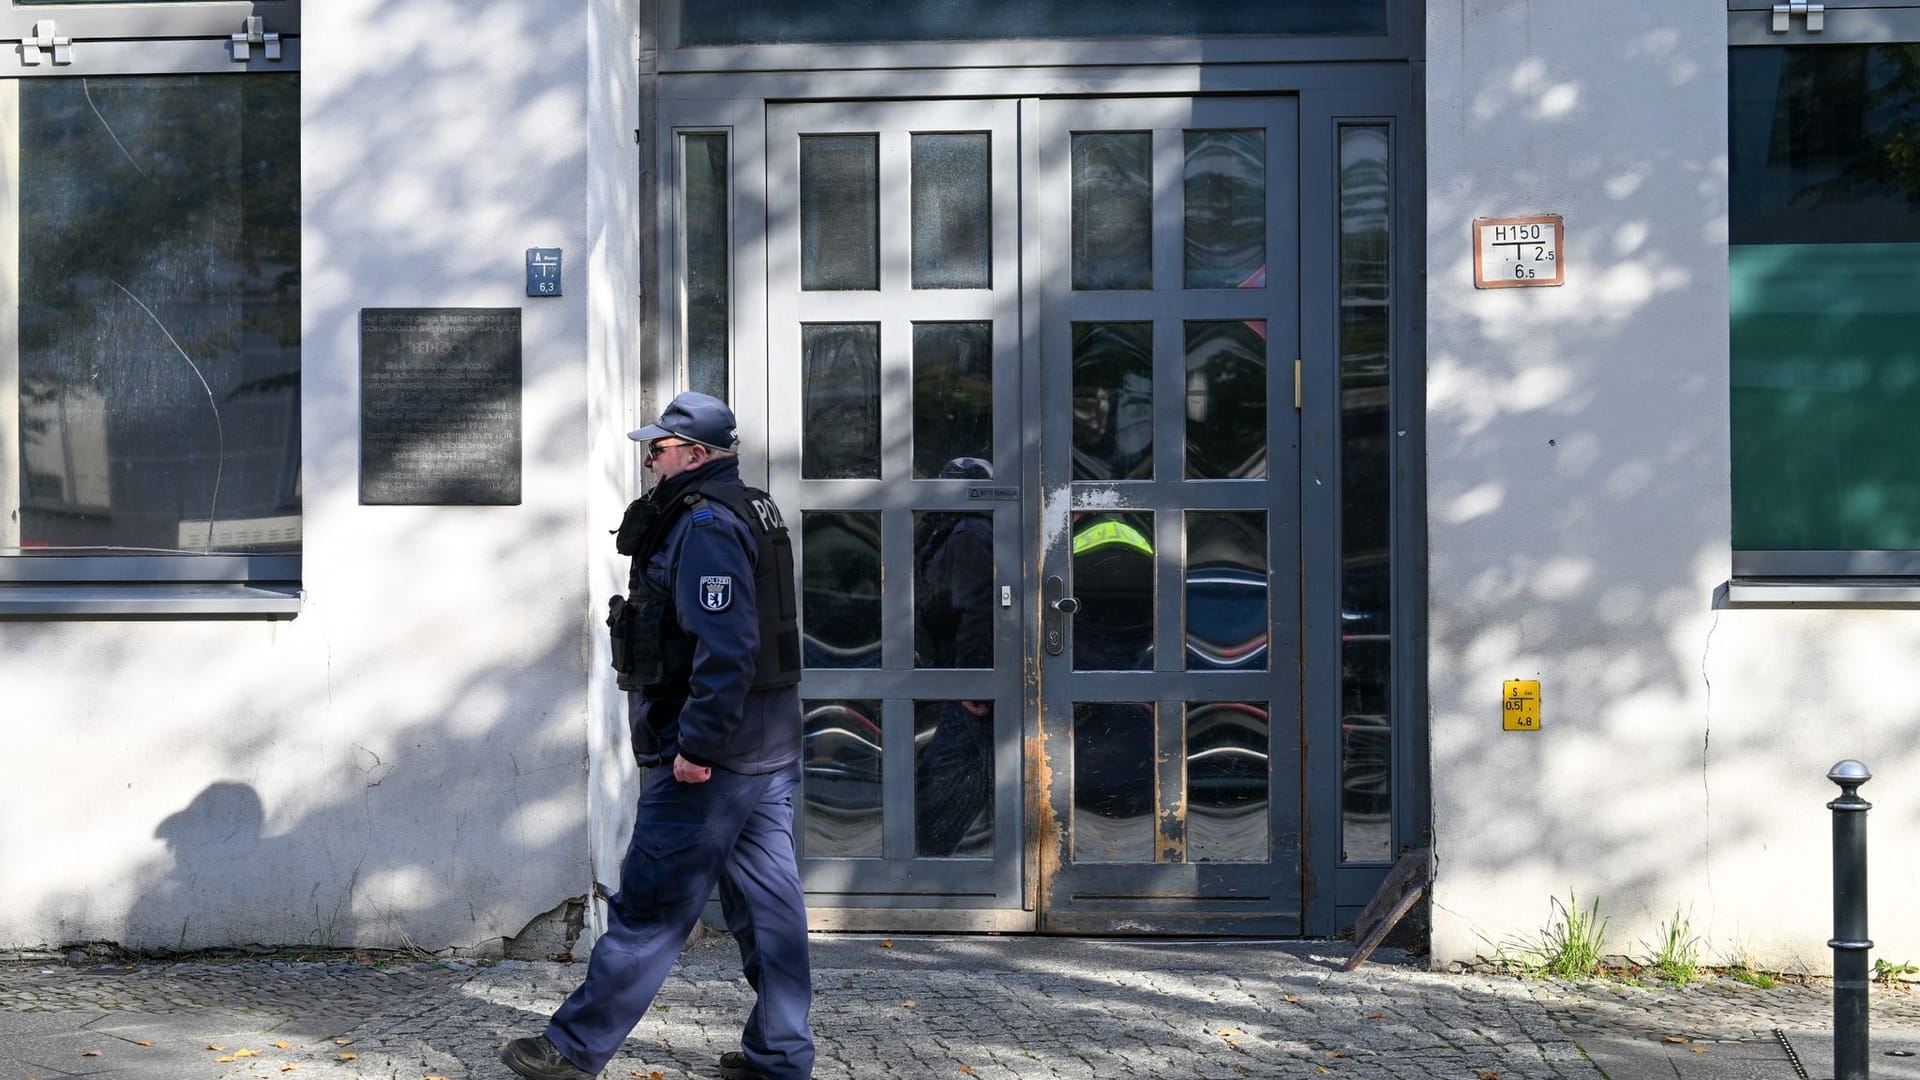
{"x":1339,"y":890}
{"x":711,"y":89}
{"x":953,"y":886}
{"x":1177,"y":897}
{"x":1839,"y":577}
{"x":184,"y":38}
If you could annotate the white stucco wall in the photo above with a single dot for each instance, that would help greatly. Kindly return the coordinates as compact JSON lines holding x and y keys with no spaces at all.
{"x":404,"y":762}
{"x":1579,"y":518}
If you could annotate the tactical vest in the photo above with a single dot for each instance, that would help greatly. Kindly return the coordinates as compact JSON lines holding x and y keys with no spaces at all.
{"x":777,"y":664}
{"x":651,"y":657}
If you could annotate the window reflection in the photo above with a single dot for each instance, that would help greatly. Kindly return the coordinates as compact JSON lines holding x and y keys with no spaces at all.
{"x":1113,"y":401}
{"x":159,"y":277}
{"x":839,"y":212}
{"x":1113,"y":572}
{"x":1226,"y":209}
{"x":840,"y":588}
{"x":762,"y":22}
{"x":840,"y":785}
{"x":1113,"y":210}
{"x":840,"y":400}
{"x":1366,"y":463}
{"x":706,"y":256}
{"x":952,"y":212}
{"x":1113,"y":782}
{"x":1226,"y":581}
{"x":953,"y":779}
{"x":1227,"y":399}
{"x":952,"y":394}
{"x":1227,"y":782}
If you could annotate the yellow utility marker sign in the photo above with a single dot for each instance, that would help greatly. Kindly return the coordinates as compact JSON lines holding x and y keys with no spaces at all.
{"x":1520,"y":705}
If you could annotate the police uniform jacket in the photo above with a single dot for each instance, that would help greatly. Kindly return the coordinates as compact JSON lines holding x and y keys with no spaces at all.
{"x":705,"y":709}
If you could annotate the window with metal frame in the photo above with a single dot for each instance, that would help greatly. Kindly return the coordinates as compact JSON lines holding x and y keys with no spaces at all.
{"x":149,"y":309}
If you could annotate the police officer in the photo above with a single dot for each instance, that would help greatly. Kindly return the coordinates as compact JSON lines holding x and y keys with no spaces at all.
{"x":717,"y":723}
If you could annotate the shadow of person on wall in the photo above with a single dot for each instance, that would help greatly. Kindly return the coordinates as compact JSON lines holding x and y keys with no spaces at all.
{"x":213,"y":840}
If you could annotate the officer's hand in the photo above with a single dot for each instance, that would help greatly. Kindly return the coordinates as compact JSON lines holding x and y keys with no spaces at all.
{"x":688,"y":773}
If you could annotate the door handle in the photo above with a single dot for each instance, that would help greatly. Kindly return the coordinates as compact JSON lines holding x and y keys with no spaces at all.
{"x":1058,"y":606}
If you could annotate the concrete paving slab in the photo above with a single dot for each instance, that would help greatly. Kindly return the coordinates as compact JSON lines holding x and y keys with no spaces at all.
{"x":1891,"y":1055}
{"x":1640,"y":1057}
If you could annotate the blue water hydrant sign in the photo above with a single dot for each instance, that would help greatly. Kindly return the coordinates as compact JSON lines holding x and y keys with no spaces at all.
{"x":543,"y":271}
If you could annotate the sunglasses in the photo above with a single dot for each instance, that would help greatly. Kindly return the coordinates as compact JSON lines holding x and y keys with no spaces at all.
{"x":655,"y":449}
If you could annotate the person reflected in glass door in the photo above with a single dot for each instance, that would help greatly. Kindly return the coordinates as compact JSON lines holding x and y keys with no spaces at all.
{"x":954,"y":628}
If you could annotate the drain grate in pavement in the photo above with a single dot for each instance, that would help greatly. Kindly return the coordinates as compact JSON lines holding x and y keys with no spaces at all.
{"x":1798,"y":1069}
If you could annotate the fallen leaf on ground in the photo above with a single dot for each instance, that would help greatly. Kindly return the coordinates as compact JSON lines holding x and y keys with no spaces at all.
{"x":288,"y":1066}
{"x":656,"y":1075}
{"x":284,"y":1044}
{"x":1674,"y":1039}
{"x":887,"y":944}
{"x":89,"y":1053}
{"x":444,"y":1078}
{"x":143,"y":1042}
{"x":1488,"y":1075}
{"x":1226,"y":1033}
{"x":225,"y":1060}
{"x":1321,"y":1069}
{"x":1335,"y":1053}
{"x":246,"y":1053}
{"x":907,"y":1005}
{"x":214,"y":1048}
{"x":343,"y":1042}
{"x":1291,"y":999}
{"x":1376,"y":1016}
{"x":348,"y":1056}
{"x":1698,"y":1049}
{"x":966,"y":1068}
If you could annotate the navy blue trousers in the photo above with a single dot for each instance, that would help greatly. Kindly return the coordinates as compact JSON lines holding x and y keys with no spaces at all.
{"x":735,"y":831}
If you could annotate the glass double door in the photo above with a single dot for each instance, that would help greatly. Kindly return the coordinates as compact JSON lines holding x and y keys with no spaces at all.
{"x":1031,"y":378}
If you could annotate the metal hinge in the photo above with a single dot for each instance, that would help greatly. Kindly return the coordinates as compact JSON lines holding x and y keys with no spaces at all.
{"x":1296,"y":384}
{"x":44,"y":40}
{"x":255,"y":34}
{"x":1815,"y":14}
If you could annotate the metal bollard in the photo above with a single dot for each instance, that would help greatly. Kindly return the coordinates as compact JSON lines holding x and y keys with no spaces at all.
{"x":1850,"y":943}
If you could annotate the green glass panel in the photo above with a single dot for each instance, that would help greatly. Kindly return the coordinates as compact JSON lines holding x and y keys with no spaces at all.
{"x":1826,"y":386}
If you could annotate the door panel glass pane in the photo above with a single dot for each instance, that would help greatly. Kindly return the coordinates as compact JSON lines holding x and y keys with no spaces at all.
{"x":839,"y":211}
{"x":159,"y":317}
{"x":1113,"y":788}
{"x":840,"y":588}
{"x":1227,"y":782}
{"x":1366,"y":499}
{"x":768,"y":22}
{"x":1226,"y":601}
{"x":1227,"y":400}
{"x":952,"y":212}
{"x":1226,"y":209}
{"x":953,"y":607}
{"x":840,"y":391}
{"x":1113,"y":401}
{"x":952,"y":399}
{"x":1113,"y":210}
{"x":953,"y":779}
{"x":840,"y":786}
{"x":1113,"y":579}
{"x":706,"y":257}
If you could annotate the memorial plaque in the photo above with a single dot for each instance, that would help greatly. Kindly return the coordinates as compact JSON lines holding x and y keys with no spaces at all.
{"x":440,"y":406}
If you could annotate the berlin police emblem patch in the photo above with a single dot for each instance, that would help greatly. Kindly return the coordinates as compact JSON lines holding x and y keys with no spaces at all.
{"x":716,"y":593}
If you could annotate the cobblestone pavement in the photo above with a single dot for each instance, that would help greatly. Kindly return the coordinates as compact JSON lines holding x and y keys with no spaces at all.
{"x":980,"y":1008}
